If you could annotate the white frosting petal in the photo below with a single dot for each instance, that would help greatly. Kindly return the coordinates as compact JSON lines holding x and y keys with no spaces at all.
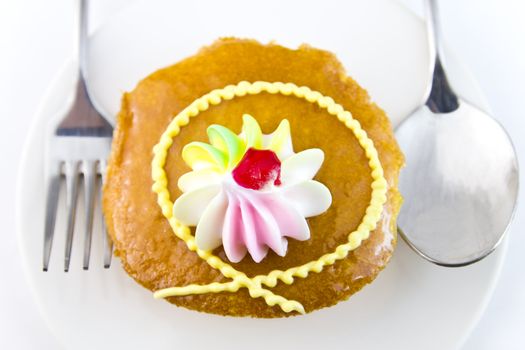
{"x":310,"y":197}
{"x":208,"y":234}
{"x":301,"y":166}
{"x":287,"y":150}
{"x":190,"y":206}
{"x":198,"y":178}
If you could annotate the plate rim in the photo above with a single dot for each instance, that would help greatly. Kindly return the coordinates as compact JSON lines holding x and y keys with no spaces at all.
{"x":59,"y":75}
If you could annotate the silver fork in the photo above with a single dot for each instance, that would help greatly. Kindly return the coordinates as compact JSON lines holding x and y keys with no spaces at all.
{"x":78,"y":147}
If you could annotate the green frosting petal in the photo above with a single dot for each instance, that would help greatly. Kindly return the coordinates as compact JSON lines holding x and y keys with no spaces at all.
{"x":252,"y":132}
{"x":230,"y":144}
{"x":226,"y":149}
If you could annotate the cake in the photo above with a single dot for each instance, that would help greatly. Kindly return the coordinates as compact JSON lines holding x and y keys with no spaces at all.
{"x":252,"y":180}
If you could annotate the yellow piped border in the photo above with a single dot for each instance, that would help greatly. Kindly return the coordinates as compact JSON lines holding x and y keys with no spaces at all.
{"x":240,"y":279}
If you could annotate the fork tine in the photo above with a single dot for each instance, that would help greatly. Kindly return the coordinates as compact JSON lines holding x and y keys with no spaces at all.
{"x":72,"y":175}
{"x":51,"y":212}
{"x":108,"y":247}
{"x":89,"y":181}
{"x":108,"y":243}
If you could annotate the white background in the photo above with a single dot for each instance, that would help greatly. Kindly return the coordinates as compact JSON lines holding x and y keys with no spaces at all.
{"x":37,"y":36}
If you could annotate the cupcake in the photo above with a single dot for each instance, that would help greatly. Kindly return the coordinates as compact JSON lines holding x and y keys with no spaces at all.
{"x":252,"y":180}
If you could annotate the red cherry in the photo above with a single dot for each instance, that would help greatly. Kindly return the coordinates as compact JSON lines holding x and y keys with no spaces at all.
{"x":258,"y":168}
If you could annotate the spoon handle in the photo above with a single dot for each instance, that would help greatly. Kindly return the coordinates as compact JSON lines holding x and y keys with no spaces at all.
{"x":441,"y":98}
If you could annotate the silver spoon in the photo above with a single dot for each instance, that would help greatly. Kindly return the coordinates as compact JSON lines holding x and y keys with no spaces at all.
{"x":461,"y":180}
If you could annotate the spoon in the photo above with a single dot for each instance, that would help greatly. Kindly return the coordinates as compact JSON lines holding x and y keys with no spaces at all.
{"x":460,"y":183}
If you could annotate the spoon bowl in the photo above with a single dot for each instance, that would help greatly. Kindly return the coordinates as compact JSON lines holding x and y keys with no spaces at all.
{"x":460,"y":184}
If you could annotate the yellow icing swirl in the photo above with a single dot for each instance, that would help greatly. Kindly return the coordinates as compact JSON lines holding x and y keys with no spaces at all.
{"x":240,"y":279}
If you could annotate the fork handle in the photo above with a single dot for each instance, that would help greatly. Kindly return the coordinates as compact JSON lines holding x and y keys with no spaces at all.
{"x":82,"y":39}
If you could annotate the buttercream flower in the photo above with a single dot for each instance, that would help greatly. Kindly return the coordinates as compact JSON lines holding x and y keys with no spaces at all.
{"x":248,"y":192}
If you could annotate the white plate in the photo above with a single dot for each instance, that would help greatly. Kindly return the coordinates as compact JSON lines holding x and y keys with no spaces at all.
{"x":412,"y":304}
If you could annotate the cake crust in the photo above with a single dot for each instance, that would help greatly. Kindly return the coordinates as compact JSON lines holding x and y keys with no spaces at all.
{"x":144,"y":241}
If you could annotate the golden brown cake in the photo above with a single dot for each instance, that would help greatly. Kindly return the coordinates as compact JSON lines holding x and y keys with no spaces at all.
{"x":144,"y":240}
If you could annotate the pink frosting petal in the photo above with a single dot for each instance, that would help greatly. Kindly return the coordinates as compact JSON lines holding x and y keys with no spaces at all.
{"x":233,"y":231}
{"x":291,"y":223}
{"x":266,"y":227}
{"x":256,"y":246}
{"x":256,"y":221}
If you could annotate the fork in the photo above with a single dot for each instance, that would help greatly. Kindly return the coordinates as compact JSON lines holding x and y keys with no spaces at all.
{"x":78,"y":147}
